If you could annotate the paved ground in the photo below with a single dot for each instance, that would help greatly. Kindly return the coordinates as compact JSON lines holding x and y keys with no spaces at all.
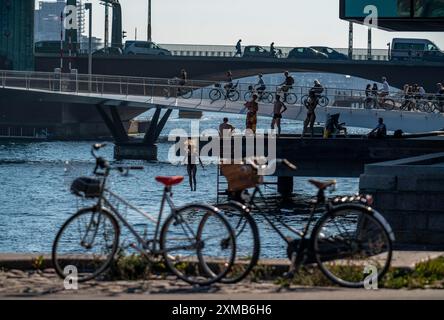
{"x":45,"y":285}
{"x":19,"y":283}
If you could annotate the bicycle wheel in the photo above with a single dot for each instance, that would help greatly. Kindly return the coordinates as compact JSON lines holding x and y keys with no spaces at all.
{"x":247,"y":240}
{"x":389,"y":104}
{"x":233,"y":96}
{"x":198,"y":244}
{"x":268,"y":97}
{"x":87,"y":241}
{"x":348,"y":240}
{"x":215,"y":94}
{"x":186,"y":93}
{"x":323,"y":101}
{"x":292,"y":98}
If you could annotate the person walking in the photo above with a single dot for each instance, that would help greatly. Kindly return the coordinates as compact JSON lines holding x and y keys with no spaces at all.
{"x":252,"y":109}
{"x":238,"y":48}
{"x":278,"y":109}
{"x":192,"y":157}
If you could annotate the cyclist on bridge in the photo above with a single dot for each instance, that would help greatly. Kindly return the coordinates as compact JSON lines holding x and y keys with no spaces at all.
{"x":260,"y":86}
{"x":287,"y":84}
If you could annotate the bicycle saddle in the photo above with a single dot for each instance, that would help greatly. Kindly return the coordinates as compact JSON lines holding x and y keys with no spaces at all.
{"x":322,"y":185}
{"x":170,"y":181}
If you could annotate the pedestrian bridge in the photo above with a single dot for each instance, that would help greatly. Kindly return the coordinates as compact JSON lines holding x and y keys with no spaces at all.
{"x":115,"y":91}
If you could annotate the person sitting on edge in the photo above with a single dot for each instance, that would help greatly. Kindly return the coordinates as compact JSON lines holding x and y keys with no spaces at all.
{"x":380,"y":131}
{"x":226,"y":128}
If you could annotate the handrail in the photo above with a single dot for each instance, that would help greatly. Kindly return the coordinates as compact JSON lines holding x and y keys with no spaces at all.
{"x":137,"y":86}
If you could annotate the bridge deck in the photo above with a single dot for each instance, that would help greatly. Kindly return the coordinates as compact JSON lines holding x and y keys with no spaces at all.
{"x":407,"y":121}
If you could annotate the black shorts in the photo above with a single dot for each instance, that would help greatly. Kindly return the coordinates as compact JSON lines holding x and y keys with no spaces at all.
{"x":277,"y":116}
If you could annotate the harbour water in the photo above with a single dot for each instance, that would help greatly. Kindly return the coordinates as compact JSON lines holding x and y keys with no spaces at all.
{"x":35,"y":180}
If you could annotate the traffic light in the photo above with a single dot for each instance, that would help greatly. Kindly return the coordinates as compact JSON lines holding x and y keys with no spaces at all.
{"x":123,"y":34}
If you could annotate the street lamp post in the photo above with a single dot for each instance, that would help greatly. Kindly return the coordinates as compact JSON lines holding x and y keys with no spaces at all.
{"x":88,"y":6}
{"x":149,"y":21}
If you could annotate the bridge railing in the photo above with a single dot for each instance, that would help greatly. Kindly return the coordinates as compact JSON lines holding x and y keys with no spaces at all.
{"x":193,"y":93}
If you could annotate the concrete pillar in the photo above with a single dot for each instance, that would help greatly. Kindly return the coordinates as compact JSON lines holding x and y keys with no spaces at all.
{"x":285,"y":186}
{"x":135,"y":151}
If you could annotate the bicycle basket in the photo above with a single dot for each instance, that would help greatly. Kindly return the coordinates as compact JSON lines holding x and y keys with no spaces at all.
{"x":86,"y":187}
{"x":240,"y":176}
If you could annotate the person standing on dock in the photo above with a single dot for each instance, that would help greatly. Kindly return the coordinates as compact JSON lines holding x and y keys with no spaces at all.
{"x":191,"y":159}
{"x":314,"y":94}
{"x":238,"y":48}
{"x":225,"y":128}
{"x":278,"y":109}
{"x":252,"y":109}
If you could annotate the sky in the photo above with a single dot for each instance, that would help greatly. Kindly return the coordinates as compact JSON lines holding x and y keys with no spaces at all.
{"x":288,"y":23}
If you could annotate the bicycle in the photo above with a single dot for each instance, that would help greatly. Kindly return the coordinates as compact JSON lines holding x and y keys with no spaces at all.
{"x":376,"y":102}
{"x":218,"y":92}
{"x":194,"y":240}
{"x":182,"y":91}
{"x":343,"y":240}
{"x":287,"y":96}
{"x":323,"y":101}
{"x":264,"y":96}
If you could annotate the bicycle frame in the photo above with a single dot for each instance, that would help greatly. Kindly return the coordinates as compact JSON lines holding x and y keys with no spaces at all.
{"x":104,"y":202}
{"x":302,"y":234}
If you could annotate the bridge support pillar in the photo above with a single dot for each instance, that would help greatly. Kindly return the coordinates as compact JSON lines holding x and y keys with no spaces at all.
{"x":146,"y":148}
{"x":285,"y":186}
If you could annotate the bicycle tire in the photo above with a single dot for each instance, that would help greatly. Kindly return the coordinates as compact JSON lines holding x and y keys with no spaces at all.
{"x":79,"y":261}
{"x":247,"y":96}
{"x":188,"y":93}
{"x":292,"y":98}
{"x":247,"y":240}
{"x":323,"y":101}
{"x":327,"y":246}
{"x":389,"y":104}
{"x":215,"y":94}
{"x":195,"y":268}
{"x":233,"y":96}
{"x":269,"y":97}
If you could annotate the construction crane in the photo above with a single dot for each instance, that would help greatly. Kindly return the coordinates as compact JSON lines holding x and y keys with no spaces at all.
{"x":116,"y":34}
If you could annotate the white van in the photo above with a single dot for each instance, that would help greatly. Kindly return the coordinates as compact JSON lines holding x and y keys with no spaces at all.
{"x":415,"y":49}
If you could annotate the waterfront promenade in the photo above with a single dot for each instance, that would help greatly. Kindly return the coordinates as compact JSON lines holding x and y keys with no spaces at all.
{"x":23,"y":282}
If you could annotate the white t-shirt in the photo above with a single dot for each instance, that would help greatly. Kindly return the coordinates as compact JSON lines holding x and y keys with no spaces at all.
{"x":385,"y":87}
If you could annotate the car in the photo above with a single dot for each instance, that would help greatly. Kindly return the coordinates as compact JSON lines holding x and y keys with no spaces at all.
{"x":256,"y":52}
{"x":331,"y":53}
{"x":144,"y":48}
{"x":112,"y":51}
{"x":306,"y":53}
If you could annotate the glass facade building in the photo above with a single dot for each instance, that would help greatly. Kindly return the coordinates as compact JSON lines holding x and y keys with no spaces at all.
{"x":17,"y":34}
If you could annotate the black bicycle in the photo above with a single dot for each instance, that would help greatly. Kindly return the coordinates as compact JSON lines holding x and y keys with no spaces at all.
{"x":230,"y":93}
{"x":323,"y":101}
{"x":196,"y":242}
{"x":343,"y":240}
{"x":264,"y":96}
